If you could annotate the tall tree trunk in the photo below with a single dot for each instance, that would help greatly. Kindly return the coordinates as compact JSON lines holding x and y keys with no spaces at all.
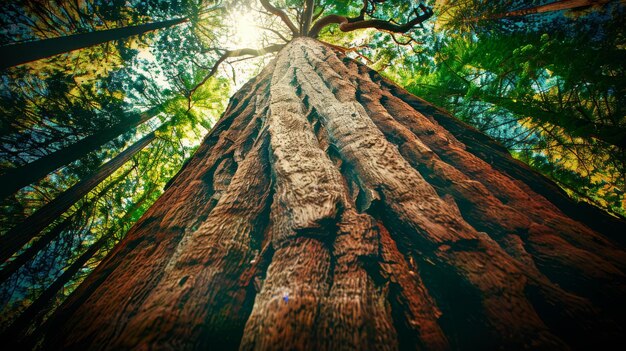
{"x":30,"y":317}
{"x":550,"y":7}
{"x":11,"y":267}
{"x":555,"y":6}
{"x":17,"y":54}
{"x":330,"y":209}
{"x":24,"y":232}
{"x":17,"y":178}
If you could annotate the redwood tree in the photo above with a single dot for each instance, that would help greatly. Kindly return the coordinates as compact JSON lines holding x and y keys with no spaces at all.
{"x":331,"y":209}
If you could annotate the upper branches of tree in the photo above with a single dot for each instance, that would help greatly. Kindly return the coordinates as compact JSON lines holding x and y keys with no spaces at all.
{"x":308,"y":16}
{"x":281,"y":14}
{"x":348,"y":24}
{"x":228,"y":54}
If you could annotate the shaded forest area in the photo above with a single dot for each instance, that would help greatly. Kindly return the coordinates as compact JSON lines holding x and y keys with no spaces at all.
{"x":103,"y":102}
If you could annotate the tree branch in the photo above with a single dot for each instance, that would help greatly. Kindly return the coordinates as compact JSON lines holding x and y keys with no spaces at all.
{"x":399,"y":42}
{"x":361,"y":13}
{"x":283,"y":16}
{"x":345,"y":24}
{"x":317,"y":15}
{"x":354,"y":49}
{"x":277,"y":33}
{"x":233,"y":53}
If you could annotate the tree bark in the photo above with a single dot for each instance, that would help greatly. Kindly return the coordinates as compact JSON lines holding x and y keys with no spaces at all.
{"x":16,"y":178}
{"x":24,"y":232}
{"x":329,"y":209}
{"x":17,"y":54}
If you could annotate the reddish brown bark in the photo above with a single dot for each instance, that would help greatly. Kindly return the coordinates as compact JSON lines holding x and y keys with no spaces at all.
{"x":325,"y":211}
{"x":350,"y":24}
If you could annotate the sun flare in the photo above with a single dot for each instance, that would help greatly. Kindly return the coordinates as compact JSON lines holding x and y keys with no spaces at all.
{"x":246,"y":31}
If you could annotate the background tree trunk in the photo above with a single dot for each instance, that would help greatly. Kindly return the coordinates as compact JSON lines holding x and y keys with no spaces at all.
{"x":28,"y":254}
{"x":20,"y":53}
{"x":30,"y":318}
{"x":16,"y":178}
{"x":25,"y":231}
{"x":328,"y":209}
{"x":553,"y":6}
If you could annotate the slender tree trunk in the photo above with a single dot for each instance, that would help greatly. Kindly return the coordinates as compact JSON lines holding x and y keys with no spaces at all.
{"x":556,"y":6}
{"x":20,"y":327}
{"x":550,"y":7}
{"x":27,"y":318}
{"x":330,"y":209}
{"x":17,"y":54}
{"x":24,"y":232}
{"x":17,"y":178}
{"x":41,"y":243}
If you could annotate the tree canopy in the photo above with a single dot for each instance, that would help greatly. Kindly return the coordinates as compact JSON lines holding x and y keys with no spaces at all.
{"x":84,"y":82}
